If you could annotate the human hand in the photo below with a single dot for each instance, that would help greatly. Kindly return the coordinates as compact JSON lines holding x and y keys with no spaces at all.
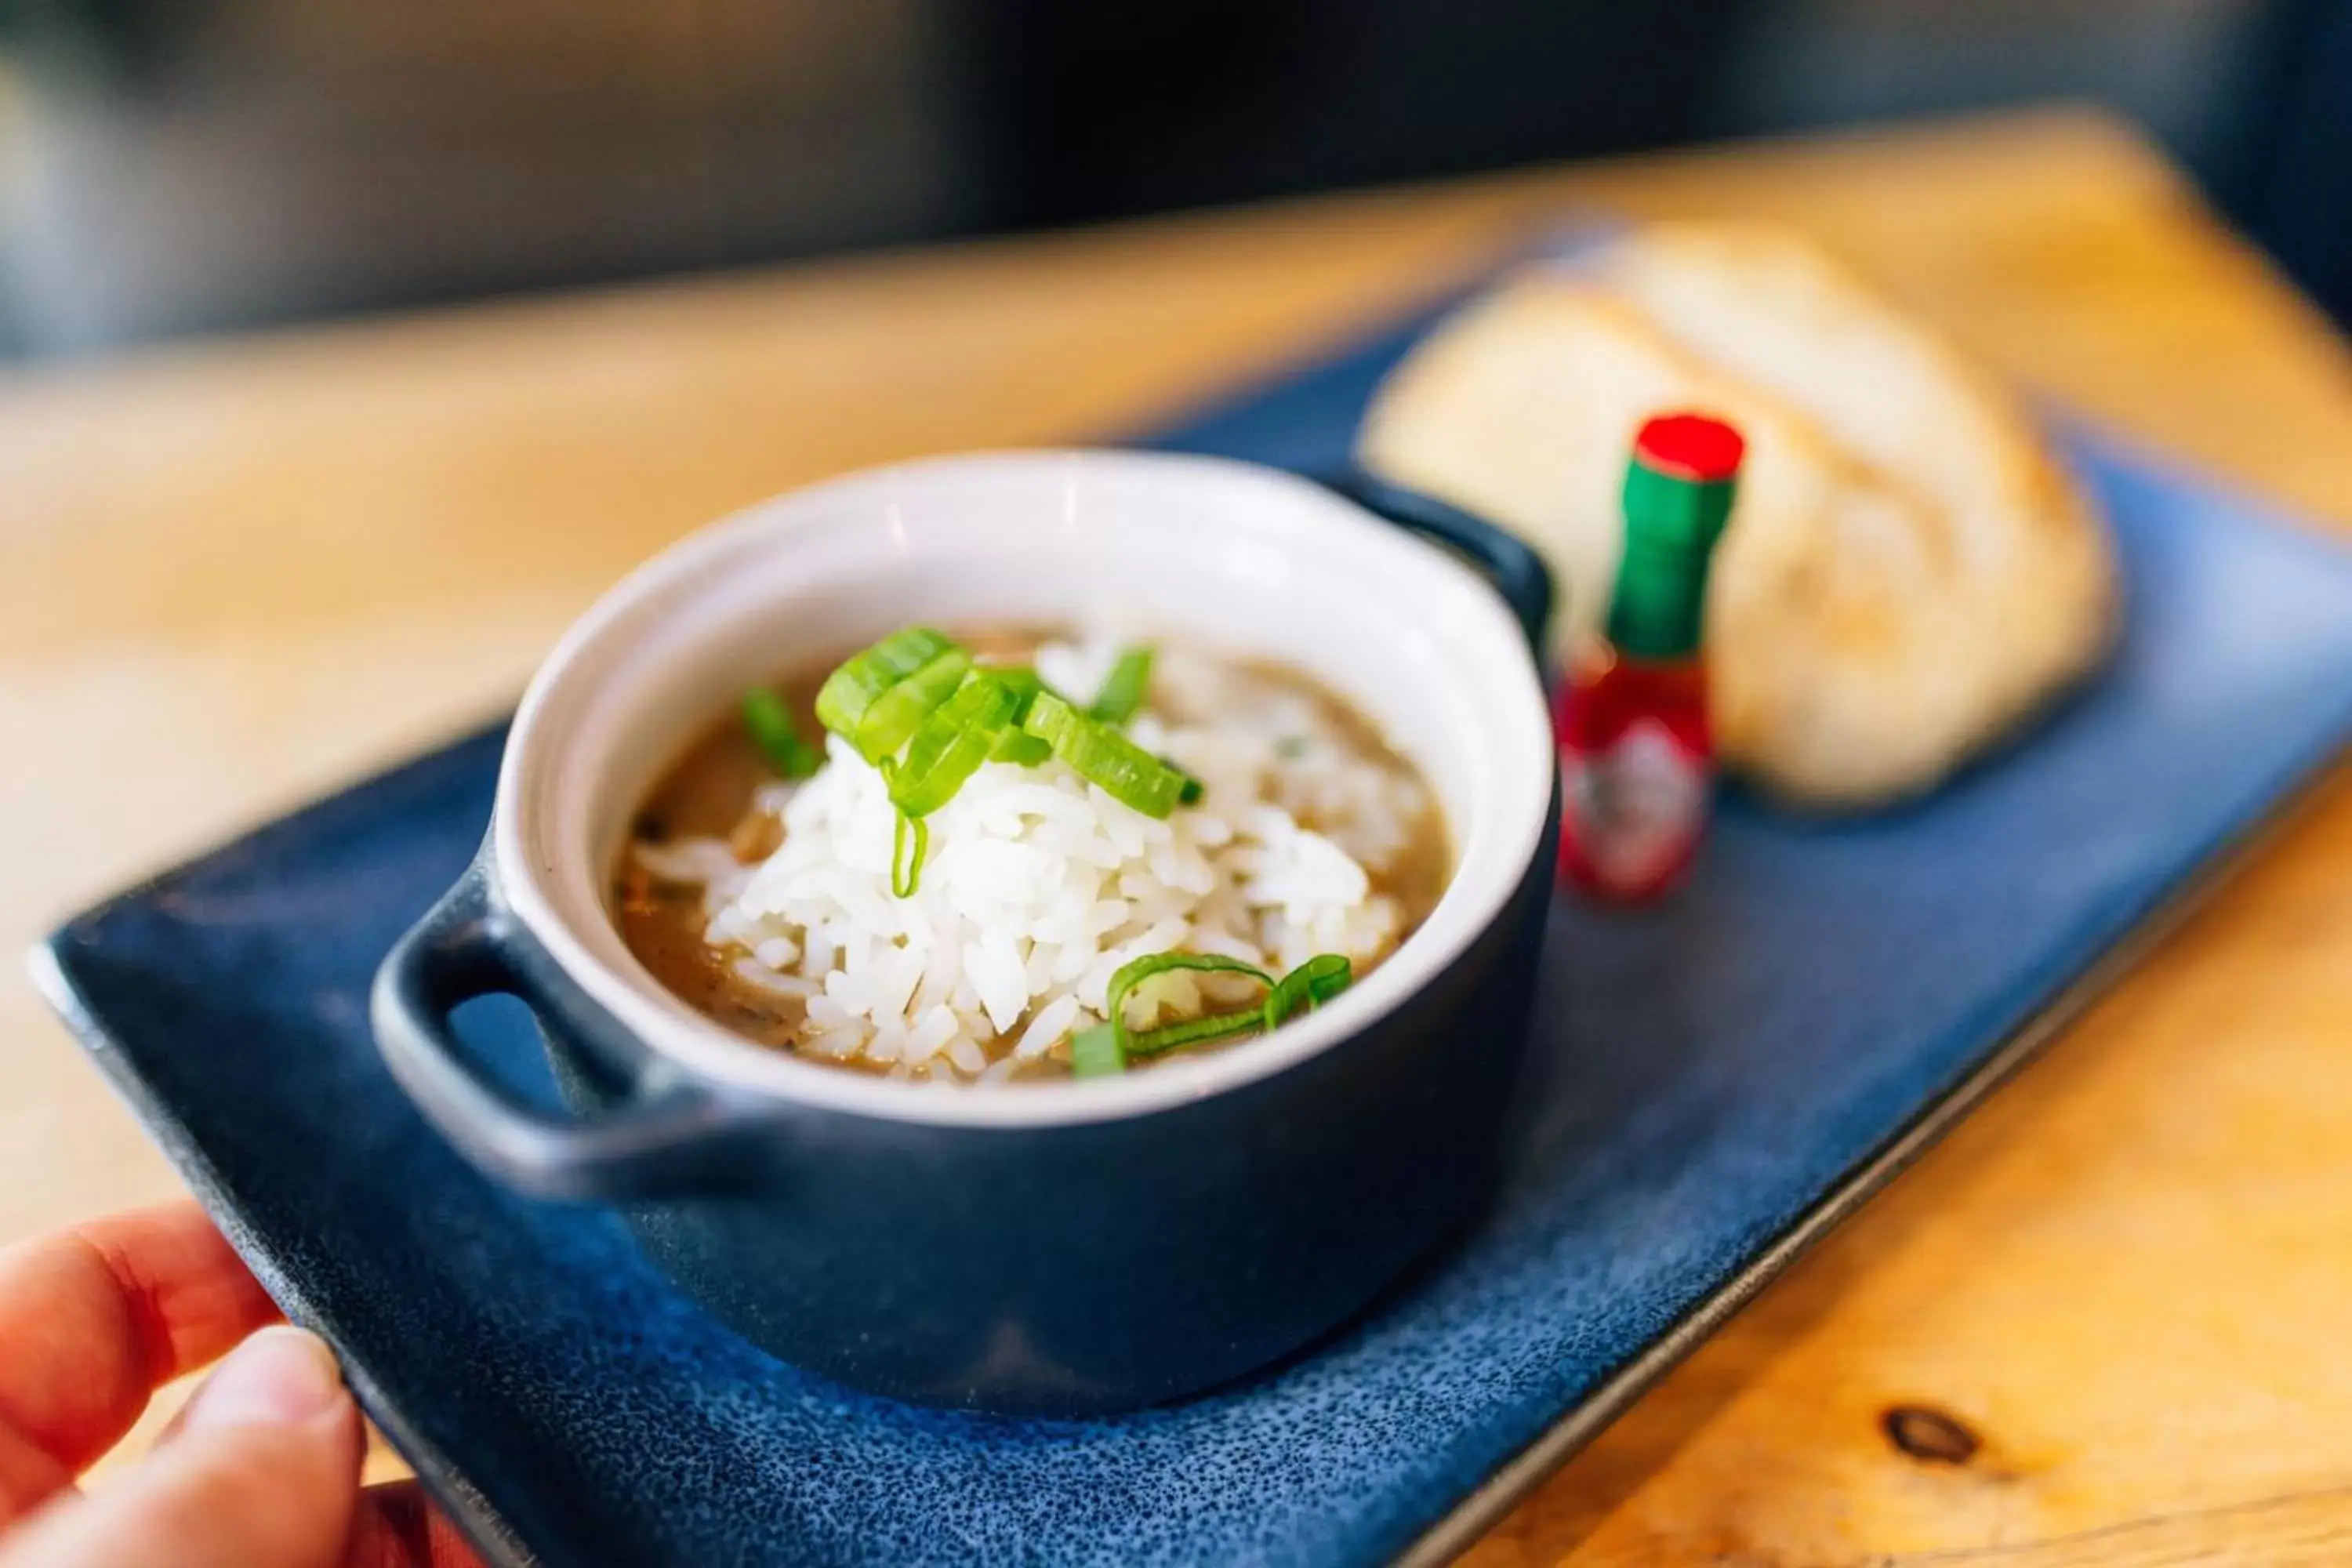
{"x":260,"y":1470}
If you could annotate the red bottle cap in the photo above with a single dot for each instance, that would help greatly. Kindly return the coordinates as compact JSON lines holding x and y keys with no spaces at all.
{"x":1690,"y":446}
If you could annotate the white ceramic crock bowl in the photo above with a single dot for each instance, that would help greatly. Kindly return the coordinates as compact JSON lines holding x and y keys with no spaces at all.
{"x":1062,"y":1246}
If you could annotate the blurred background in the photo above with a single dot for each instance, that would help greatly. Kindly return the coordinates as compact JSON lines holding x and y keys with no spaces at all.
{"x":170,"y":167}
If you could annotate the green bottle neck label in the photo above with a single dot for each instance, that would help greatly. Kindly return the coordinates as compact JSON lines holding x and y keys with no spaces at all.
{"x":1670,"y":525}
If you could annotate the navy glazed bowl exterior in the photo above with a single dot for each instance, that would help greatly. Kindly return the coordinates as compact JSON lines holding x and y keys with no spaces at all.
{"x":1055,"y":1249}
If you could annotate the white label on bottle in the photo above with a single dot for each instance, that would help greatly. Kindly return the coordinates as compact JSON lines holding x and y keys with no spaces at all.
{"x":1638,"y":804}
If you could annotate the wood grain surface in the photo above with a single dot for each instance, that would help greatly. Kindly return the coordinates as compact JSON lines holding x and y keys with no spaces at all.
{"x":2104,"y":1323}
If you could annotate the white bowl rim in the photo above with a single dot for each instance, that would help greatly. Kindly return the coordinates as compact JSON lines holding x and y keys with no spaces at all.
{"x":673,"y":1031}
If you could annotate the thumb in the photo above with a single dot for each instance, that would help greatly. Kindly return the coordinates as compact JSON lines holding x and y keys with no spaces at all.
{"x":262,"y":1473}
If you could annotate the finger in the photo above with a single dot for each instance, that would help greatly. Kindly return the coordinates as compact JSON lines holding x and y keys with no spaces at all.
{"x":398,"y":1527}
{"x":94,"y":1318}
{"x":264,"y":1474}
{"x":28,"y":1477}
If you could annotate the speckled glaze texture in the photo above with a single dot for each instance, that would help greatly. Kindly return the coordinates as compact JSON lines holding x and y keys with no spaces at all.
{"x":1121,"y":1262}
{"x":1731,"y":1058}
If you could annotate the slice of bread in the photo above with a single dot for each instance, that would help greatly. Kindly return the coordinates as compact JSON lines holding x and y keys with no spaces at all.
{"x":1906,"y":574}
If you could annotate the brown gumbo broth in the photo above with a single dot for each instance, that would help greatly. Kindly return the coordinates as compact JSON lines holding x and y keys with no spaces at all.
{"x":711,"y":796}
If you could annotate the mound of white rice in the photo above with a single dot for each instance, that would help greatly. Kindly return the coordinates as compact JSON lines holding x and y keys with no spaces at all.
{"x":1037,"y":885}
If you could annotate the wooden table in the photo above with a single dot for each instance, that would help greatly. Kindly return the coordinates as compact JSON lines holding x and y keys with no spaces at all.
{"x":237,"y":574}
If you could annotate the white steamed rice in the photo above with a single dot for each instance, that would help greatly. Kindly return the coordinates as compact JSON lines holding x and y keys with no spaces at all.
{"x":1037,"y":886}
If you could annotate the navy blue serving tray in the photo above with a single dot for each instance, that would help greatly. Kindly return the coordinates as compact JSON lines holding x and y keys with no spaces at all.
{"x":1729,"y":1074}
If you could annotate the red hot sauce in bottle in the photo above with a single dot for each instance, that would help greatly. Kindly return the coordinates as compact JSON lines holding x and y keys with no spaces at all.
{"x":1637,"y":760}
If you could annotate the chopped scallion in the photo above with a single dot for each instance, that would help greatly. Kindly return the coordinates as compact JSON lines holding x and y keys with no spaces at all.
{"x":769,"y":721}
{"x":898,"y":714}
{"x":1025,"y":683}
{"x":1020,"y":748}
{"x":951,"y":742}
{"x":910,"y":840}
{"x":1101,"y":755}
{"x":1193,"y":1032}
{"x":1016,"y":745}
{"x":1134,"y":972}
{"x":853,"y":689}
{"x":1310,"y":984}
{"x":1109,"y":1046}
{"x":1096,"y":1053}
{"x":1124,"y":689}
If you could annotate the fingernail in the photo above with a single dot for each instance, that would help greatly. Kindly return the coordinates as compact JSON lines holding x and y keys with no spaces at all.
{"x":281,"y":1377}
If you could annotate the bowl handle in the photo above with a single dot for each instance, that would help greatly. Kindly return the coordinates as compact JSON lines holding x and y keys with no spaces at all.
{"x":1502,"y":558}
{"x":658,"y":1141}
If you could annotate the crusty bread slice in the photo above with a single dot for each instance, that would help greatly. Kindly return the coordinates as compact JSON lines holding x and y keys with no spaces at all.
{"x":1907,"y":572}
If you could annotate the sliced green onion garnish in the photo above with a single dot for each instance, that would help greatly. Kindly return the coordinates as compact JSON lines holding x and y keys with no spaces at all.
{"x":1135,"y":972}
{"x":1049,"y":715}
{"x":1109,"y":1046}
{"x":1020,"y":748}
{"x":1096,"y":1053}
{"x":1124,"y":689}
{"x":911,"y":839}
{"x":770,"y":723}
{"x":1310,"y":984}
{"x":1101,"y":755}
{"x":951,"y":742}
{"x":899,"y":712}
{"x":1191,"y":791}
{"x":1193,"y":1031}
{"x":1016,"y":745}
{"x":851,"y":689}
{"x":1024,"y":681}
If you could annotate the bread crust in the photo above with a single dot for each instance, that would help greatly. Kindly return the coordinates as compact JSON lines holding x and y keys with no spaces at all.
{"x":1908,"y":574}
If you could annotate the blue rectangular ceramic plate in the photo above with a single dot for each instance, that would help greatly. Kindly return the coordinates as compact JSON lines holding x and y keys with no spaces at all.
{"x":1749,"y":1062}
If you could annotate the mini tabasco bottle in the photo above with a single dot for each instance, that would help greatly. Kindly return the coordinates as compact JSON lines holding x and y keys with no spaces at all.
{"x":1637,"y":762}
